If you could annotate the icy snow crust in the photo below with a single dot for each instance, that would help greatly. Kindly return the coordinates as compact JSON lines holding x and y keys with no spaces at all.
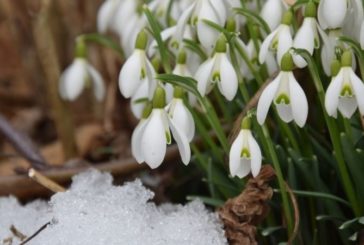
{"x":93,"y":211}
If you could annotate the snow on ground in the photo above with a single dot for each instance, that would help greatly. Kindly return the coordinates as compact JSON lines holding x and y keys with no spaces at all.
{"x":95,"y":212}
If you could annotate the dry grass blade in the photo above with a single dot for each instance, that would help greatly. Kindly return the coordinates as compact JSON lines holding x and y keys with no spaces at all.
{"x":44,"y":181}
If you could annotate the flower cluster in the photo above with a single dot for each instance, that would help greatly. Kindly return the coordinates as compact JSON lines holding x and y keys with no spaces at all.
{"x":207,"y":41}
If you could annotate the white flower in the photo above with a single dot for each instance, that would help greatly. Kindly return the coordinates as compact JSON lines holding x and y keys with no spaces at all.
{"x":280,"y":40}
{"x":77,"y":76}
{"x":217,"y":69}
{"x":180,"y":69}
{"x":151,"y":136}
{"x":136,"y":69}
{"x":245,"y":155}
{"x":288,"y":97}
{"x":345,"y":93}
{"x":181,"y":117}
{"x":331,"y":13}
{"x":272,"y":13}
{"x":106,"y":15}
{"x":212,"y":10}
{"x":307,"y":37}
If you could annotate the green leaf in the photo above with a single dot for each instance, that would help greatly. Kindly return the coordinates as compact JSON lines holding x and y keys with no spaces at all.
{"x":320,"y":195}
{"x":141,"y":100}
{"x":254,"y":16}
{"x":327,"y":218}
{"x":102,"y":40}
{"x":156,"y":32}
{"x":207,"y":200}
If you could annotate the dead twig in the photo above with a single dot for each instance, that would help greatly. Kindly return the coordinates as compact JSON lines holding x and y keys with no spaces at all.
{"x":22,"y":144}
{"x":44,"y":181}
{"x":296,"y":214}
{"x":35,"y":233}
{"x":17,"y":233}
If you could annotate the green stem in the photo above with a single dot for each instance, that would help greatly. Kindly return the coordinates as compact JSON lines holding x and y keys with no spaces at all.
{"x":265,"y":136}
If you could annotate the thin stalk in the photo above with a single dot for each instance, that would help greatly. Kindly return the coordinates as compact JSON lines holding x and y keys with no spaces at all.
{"x":281,"y":182}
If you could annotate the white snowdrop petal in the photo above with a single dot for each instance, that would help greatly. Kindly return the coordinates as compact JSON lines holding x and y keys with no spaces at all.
{"x":229,"y":80}
{"x":203,"y":75}
{"x":299,"y":102}
{"x":97,"y":82}
{"x":73,"y":79}
{"x":235,"y":154}
{"x":182,"y":22}
{"x":136,"y":137}
{"x":272,"y":12}
{"x":285,"y":112}
{"x":333,"y":93}
{"x":141,"y":93}
{"x":244,"y":168}
{"x":358,"y":87}
{"x":304,"y":39}
{"x":266,"y":99}
{"x":130,"y":75}
{"x":347,"y":106}
{"x":264,"y":48}
{"x":255,"y":155}
{"x":182,"y":117}
{"x":104,"y":15}
{"x":152,"y":82}
{"x":153,"y":140}
{"x":182,"y":142}
{"x":284,"y":42}
{"x":219,"y":10}
{"x":332,"y":13}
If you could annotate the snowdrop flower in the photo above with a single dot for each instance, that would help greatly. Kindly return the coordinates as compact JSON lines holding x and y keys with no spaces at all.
{"x":180,"y":115}
{"x":346,"y":90}
{"x":78,"y":75}
{"x":212,"y":10}
{"x":331,"y":13}
{"x":106,"y":15}
{"x":129,"y":20}
{"x":280,"y":40}
{"x":181,"y":69}
{"x":272,"y":13}
{"x":218,"y":69}
{"x":153,"y":133}
{"x":307,"y":36}
{"x":245,"y":155}
{"x":136,"y":69}
{"x":287,"y":95}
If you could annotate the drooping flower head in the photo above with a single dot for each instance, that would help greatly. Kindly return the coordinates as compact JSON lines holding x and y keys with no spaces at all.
{"x":346,"y":90}
{"x":245,"y":155}
{"x":331,"y":13}
{"x":136,"y":69}
{"x":272,"y":12}
{"x":153,"y":134}
{"x":279,"y":41}
{"x":286,"y":94}
{"x":218,"y":70}
{"x":307,"y":36}
{"x":81,"y":74}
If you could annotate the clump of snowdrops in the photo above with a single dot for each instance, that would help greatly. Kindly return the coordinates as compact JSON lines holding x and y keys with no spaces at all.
{"x":288,"y":73}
